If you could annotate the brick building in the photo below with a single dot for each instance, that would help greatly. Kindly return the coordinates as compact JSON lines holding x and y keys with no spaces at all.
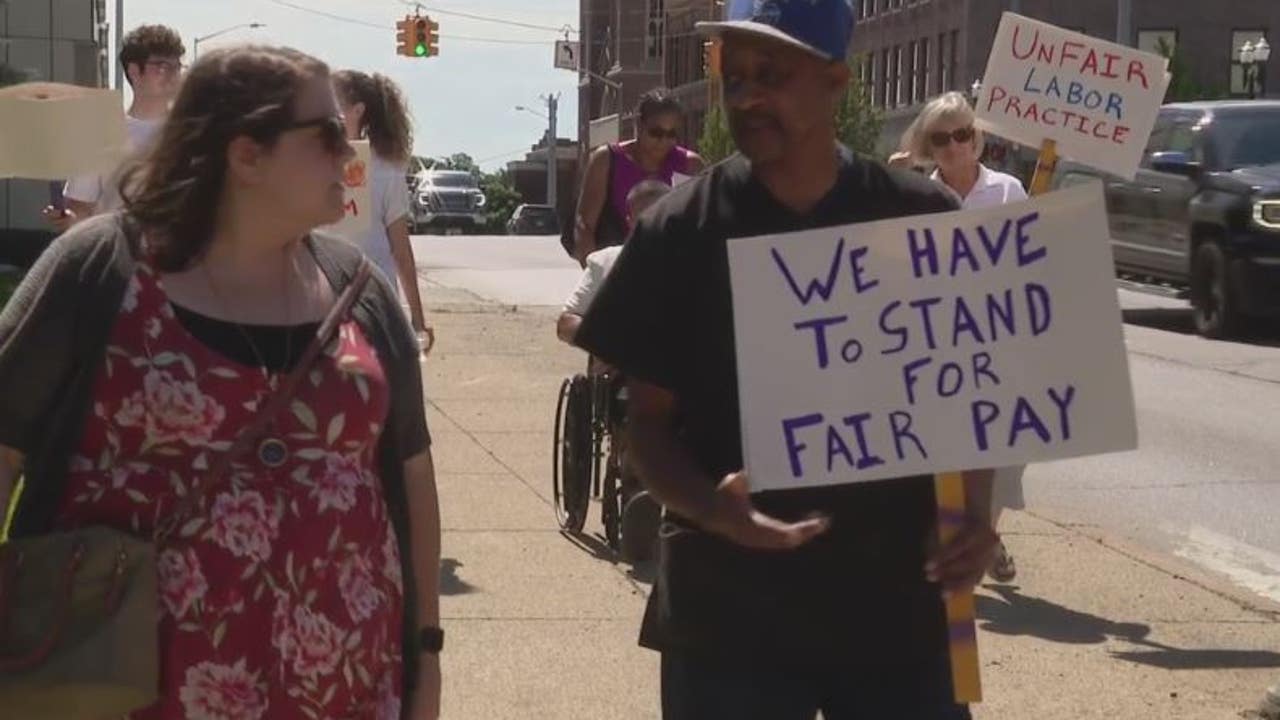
{"x":916,"y":49}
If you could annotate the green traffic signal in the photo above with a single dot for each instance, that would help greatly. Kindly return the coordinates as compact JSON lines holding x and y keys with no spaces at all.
{"x":420,"y":49}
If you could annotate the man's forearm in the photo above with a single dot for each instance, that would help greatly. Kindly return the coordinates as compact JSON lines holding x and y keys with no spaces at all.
{"x":667,"y":470}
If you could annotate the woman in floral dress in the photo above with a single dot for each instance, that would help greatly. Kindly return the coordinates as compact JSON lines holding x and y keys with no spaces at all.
{"x":300,"y":585}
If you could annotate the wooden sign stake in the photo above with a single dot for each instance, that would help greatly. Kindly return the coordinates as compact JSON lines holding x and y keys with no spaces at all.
{"x":966,"y":678}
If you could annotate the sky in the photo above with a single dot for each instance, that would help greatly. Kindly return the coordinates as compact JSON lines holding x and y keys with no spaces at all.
{"x":462,"y":101}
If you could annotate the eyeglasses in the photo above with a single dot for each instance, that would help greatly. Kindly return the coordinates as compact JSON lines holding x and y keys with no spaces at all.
{"x":168,"y":67}
{"x":658,"y":133}
{"x":941,"y":139}
{"x":333,"y":132}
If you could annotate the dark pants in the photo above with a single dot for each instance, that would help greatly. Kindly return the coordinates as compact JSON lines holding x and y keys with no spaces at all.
{"x":756,"y":687}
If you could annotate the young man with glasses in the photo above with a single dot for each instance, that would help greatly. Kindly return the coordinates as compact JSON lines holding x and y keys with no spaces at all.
{"x":784,"y":604}
{"x":152,"y":60}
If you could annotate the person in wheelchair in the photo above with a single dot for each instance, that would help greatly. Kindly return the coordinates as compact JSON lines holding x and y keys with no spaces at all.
{"x":630,"y":515}
{"x":641,"y":197}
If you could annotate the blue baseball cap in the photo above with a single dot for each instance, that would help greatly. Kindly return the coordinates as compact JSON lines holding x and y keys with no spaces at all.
{"x":822,"y":27}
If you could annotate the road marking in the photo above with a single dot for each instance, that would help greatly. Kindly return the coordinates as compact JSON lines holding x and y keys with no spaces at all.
{"x":1252,"y":568}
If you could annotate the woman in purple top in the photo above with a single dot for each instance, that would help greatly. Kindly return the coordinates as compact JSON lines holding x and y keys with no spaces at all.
{"x":615,"y":169}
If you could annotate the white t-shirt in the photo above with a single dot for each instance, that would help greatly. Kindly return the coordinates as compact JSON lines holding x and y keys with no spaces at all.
{"x":992,"y":188}
{"x":103,"y":189}
{"x":599,"y":263}
{"x":389,"y":195}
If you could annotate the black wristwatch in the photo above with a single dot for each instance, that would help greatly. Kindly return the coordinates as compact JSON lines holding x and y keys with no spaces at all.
{"x":431,"y":640}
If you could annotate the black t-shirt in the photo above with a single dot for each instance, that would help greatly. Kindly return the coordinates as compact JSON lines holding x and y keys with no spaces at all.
{"x":665,"y":316}
{"x":276,"y":348}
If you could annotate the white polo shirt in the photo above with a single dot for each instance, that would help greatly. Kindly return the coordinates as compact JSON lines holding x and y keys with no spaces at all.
{"x":993,"y":188}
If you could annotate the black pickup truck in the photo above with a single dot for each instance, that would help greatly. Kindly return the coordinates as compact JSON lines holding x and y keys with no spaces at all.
{"x":1204,"y":210}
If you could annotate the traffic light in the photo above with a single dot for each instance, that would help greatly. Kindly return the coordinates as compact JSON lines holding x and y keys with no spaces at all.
{"x":404,"y":36}
{"x":426,"y":37}
{"x":711,"y":59}
{"x":417,"y":36}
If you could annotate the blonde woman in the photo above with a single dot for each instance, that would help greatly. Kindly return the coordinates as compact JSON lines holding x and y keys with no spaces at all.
{"x":944,"y":134}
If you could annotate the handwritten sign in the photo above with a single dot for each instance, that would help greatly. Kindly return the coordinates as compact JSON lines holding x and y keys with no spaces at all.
{"x":53,"y":131}
{"x":1097,"y":99}
{"x":358,"y":203}
{"x":972,"y":339}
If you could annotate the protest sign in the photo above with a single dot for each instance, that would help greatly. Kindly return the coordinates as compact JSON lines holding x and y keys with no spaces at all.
{"x":53,"y":131}
{"x":1097,"y":100}
{"x":921,"y":345}
{"x":357,"y":177}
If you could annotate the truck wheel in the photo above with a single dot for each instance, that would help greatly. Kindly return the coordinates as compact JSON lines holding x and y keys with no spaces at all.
{"x":1213,"y":306}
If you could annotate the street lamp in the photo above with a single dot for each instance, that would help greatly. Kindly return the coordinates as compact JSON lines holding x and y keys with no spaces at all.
{"x":531,"y":111}
{"x":552,"y":149}
{"x":1253,"y":60}
{"x":195,"y":47}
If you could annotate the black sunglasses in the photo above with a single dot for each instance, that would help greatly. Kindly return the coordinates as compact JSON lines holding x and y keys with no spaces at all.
{"x":941,"y":139}
{"x":658,"y":133}
{"x":333,"y":132}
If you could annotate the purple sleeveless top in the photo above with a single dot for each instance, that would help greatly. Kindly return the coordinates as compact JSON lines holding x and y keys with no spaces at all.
{"x":627,"y":174}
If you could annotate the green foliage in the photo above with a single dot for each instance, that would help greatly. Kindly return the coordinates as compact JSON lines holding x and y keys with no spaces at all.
{"x":501,"y":200}
{"x":716,"y":142}
{"x":1182,"y":87}
{"x":858,"y":120}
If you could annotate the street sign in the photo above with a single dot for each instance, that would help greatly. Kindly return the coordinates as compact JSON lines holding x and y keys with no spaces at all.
{"x":966,"y":340}
{"x":567,"y":54}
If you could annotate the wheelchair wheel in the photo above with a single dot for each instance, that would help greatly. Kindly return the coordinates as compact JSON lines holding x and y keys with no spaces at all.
{"x":572,"y":456}
{"x":611,"y":502}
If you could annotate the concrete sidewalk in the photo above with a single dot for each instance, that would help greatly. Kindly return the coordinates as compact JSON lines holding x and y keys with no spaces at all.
{"x":544,"y":626}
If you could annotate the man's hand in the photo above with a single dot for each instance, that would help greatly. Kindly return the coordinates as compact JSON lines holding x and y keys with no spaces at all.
{"x":961,"y":563}
{"x":734,"y":517}
{"x":426,"y":695}
{"x":60,"y":220}
{"x":426,"y":339}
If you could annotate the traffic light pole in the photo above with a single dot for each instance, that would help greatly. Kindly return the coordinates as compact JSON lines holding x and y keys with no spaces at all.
{"x":553,"y":102}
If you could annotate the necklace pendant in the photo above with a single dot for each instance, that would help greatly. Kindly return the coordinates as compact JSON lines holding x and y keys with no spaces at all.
{"x":273,"y":452}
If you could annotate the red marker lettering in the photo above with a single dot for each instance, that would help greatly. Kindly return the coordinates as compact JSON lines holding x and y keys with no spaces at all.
{"x":1035,"y":40}
{"x":1136,"y":68}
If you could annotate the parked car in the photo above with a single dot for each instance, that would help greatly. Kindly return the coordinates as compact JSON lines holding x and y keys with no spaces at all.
{"x":534,"y":220}
{"x":447,"y":200}
{"x":1204,"y":210}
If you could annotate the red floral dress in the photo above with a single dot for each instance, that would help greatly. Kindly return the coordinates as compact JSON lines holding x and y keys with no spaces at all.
{"x":280,"y":598}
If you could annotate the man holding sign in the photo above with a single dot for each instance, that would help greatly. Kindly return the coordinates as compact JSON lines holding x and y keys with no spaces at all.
{"x":778,"y":605}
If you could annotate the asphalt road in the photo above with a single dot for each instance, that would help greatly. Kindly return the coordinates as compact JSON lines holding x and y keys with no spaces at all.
{"x":1204,"y":484}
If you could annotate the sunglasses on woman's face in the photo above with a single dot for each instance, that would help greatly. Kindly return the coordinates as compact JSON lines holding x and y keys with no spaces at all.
{"x":941,"y":139}
{"x":333,"y":132}
{"x":658,"y":133}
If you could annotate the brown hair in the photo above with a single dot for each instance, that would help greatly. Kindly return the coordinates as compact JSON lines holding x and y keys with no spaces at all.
{"x":175,"y":192}
{"x":386,"y":120}
{"x":148,"y":41}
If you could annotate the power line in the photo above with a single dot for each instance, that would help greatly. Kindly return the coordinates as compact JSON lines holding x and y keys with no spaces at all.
{"x":379,"y":26}
{"x":486,"y":18}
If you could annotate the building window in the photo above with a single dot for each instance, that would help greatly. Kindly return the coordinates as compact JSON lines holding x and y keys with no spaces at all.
{"x":1239,"y":38}
{"x":909,"y":74}
{"x":953,"y":59}
{"x":882,"y":82}
{"x":1158,"y":42}
{"x":896,"y":86}
{"x":655,"y":29}
{"x":922,"y":71}
{"x":941,"y":85}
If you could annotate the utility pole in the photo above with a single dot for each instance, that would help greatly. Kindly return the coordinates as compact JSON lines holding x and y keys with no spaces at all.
{"x":119,"y":44}
{"x":1124,"y":22}
{"x":552,"y":149}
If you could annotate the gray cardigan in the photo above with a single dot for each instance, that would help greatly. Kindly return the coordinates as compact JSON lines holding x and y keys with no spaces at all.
{"x":53,"y":337}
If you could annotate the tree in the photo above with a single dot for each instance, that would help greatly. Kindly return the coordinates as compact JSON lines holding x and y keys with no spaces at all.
{"x":501,"y":200}
{"x":1182,"y":87}
{"x":858,"y":120}
{"x":716,"y":142}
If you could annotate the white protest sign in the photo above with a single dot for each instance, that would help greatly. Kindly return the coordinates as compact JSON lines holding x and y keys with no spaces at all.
{"x":358,"y":204}
{"x":964,"y":340}
{"x":1096,"y":99}
{"x":53,"y":131}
